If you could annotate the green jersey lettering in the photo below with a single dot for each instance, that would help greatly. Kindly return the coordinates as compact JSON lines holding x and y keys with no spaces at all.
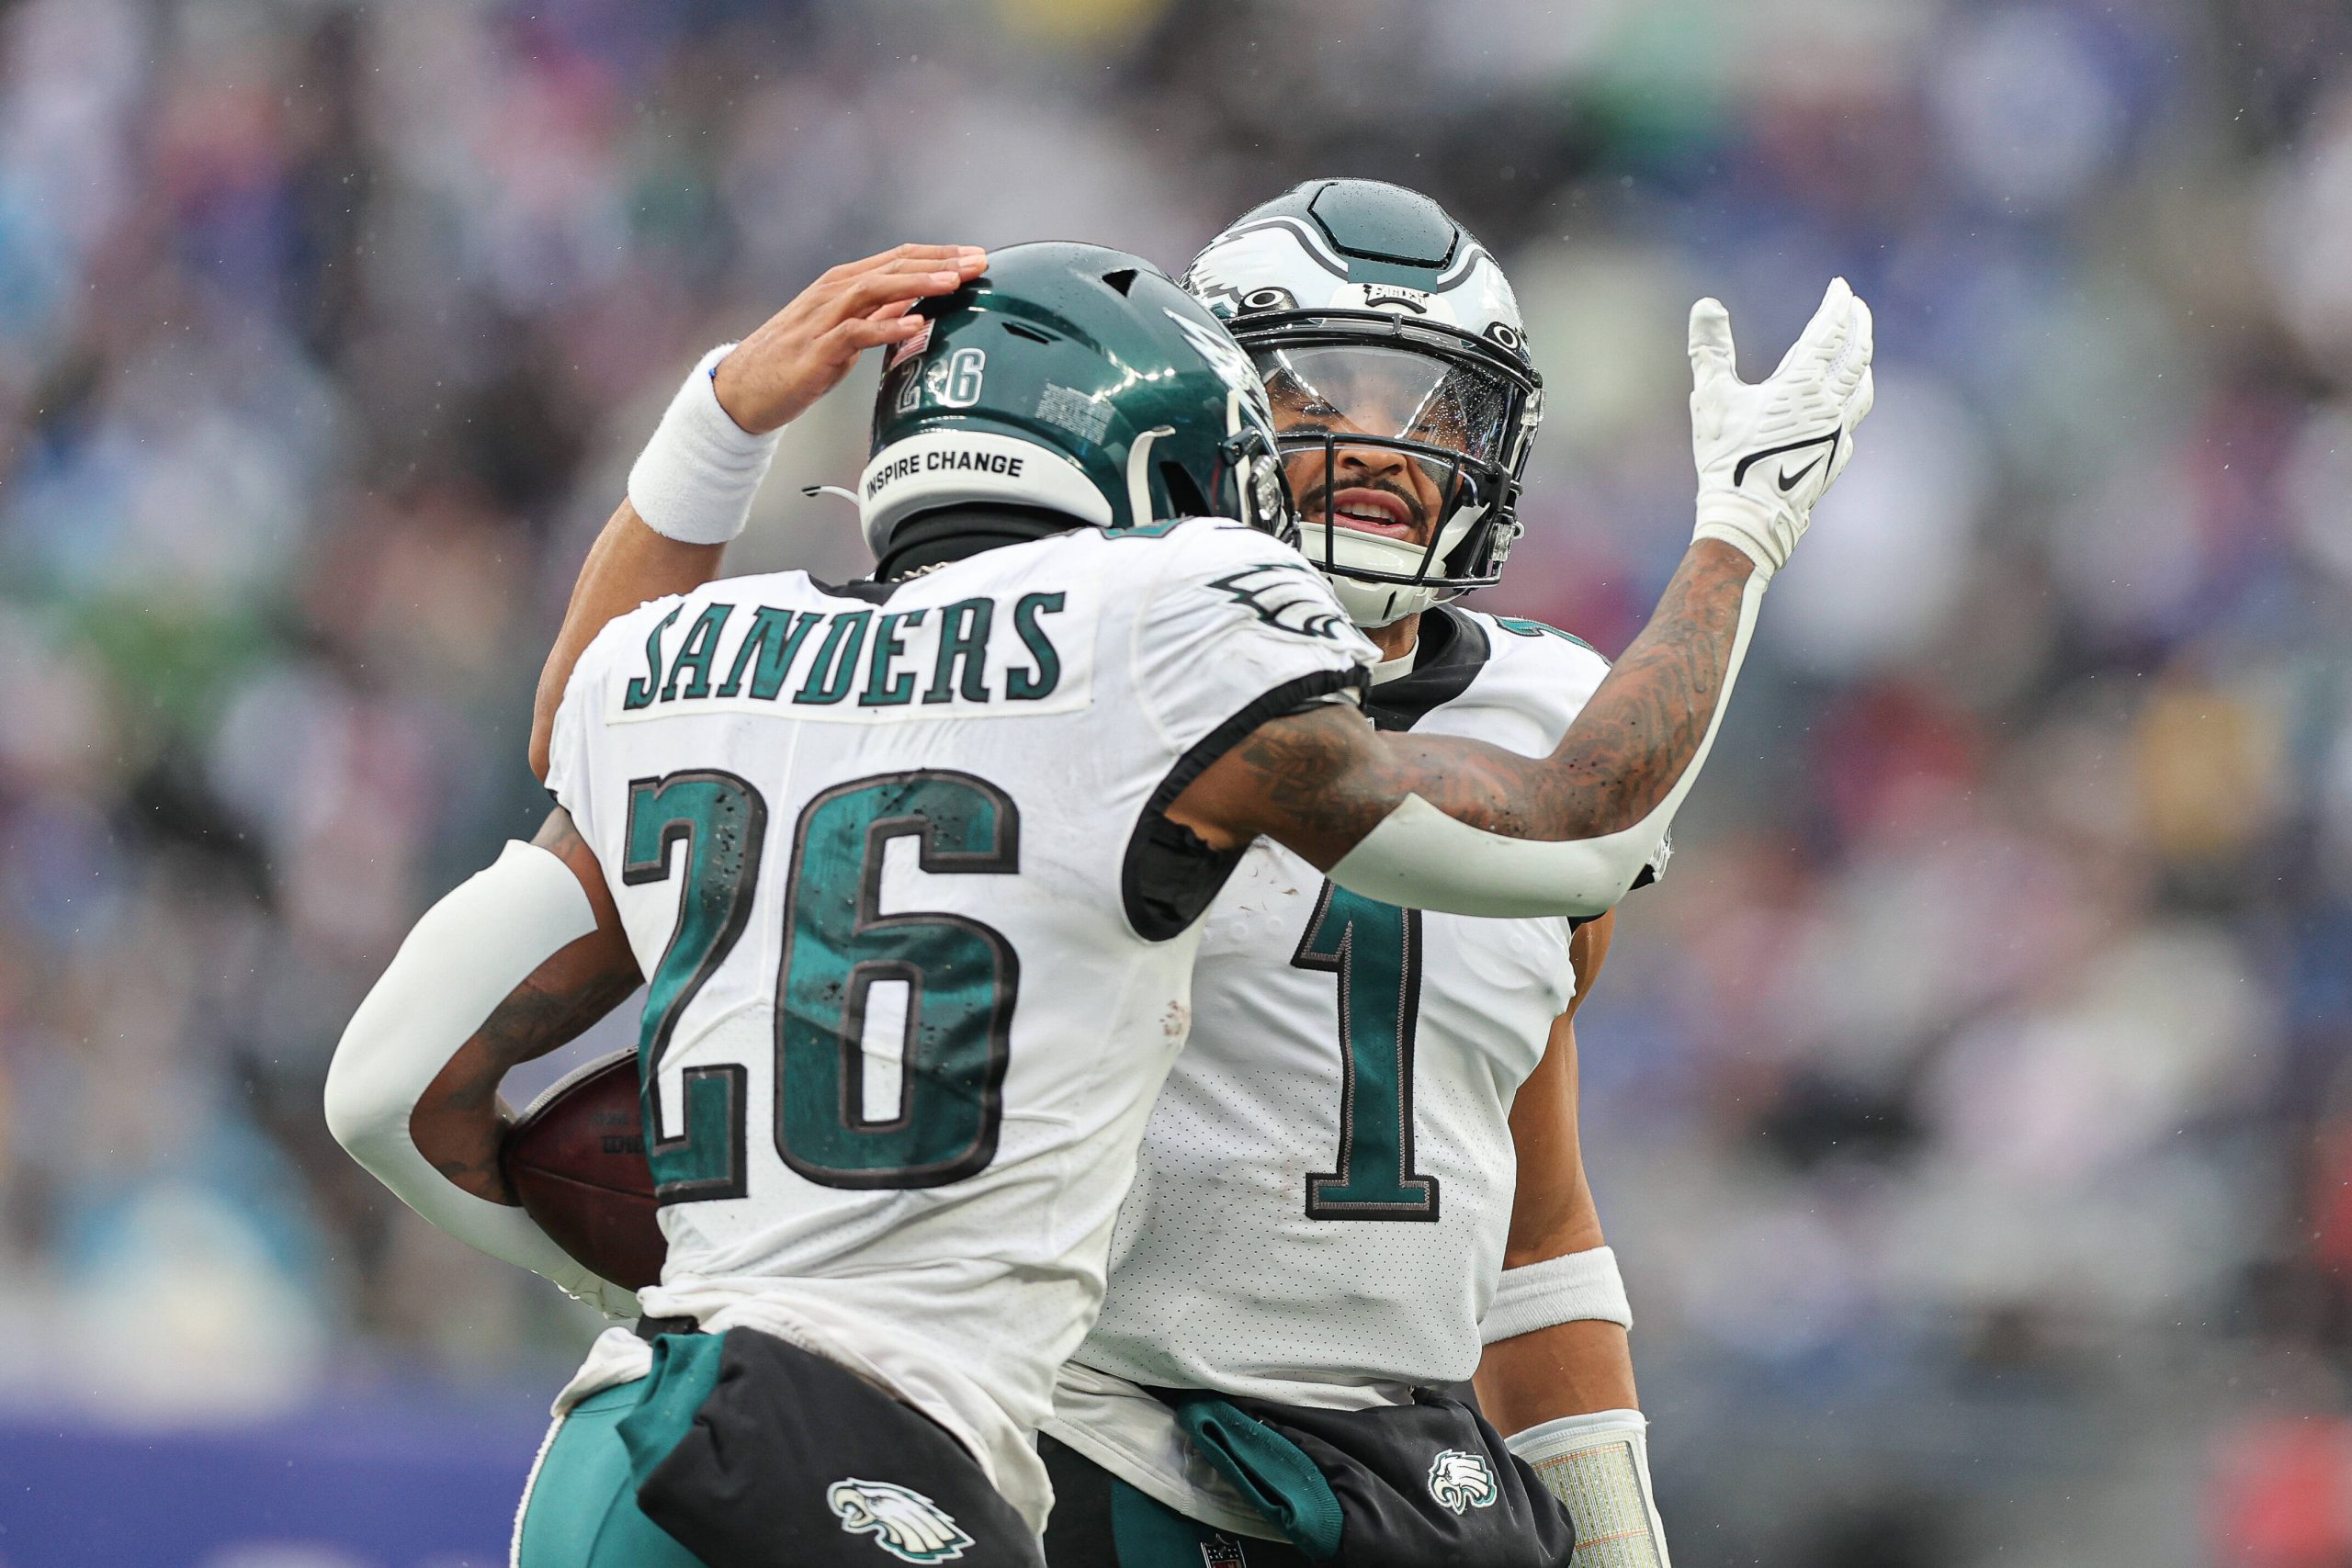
{"x":642,"y":688}
{"x":1031,"y":685}
{"x":694,"y":654}
{"x":835,"y":669}
{"x":775,"y":638}
{"x":963,"y":652}
{"x":882,"y":688}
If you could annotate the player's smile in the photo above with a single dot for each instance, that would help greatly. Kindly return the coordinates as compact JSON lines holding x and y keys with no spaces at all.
{"x":1375,"y":489}
{"x":1369,"y":507}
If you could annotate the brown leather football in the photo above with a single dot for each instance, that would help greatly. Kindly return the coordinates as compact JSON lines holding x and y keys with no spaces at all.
{"x":576,"y":1158}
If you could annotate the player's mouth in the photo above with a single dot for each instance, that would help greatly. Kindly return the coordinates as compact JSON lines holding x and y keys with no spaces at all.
{"x":1366,"y":511}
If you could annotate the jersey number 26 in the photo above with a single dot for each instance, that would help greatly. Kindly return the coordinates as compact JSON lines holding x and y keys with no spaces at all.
{"x":961,"y":977}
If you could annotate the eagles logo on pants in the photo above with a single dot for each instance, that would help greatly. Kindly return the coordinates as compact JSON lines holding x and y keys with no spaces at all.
{"x":1461,"y":1481}
{"x":902,"y":1521}
{"x":731,"y":1454}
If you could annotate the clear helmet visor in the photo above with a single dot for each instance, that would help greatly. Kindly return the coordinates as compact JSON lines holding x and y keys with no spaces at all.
{"x":1397,"y":393}
{"x":1392,"y":456}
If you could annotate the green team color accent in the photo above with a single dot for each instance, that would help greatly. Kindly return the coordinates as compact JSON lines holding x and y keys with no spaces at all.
{"x":964,"y":629}
{"x":834,"y":670}
{"x":642,"y":690}
{"x":774,"y":639}
{"x":686,"y":1369}
{"x":1269,"y":1470}
{"x":1060,"y":326}
{"x":884,"y":689}
{"x":961,"y":977}
{"x":857,"y":652}
{"x":1376,"y":950}
{"x":723,"y":822}
{"x":1519,"y":627}
{"x":1026,"y":685}
{"x":693,"y":664}
{"x":582,"y":1511}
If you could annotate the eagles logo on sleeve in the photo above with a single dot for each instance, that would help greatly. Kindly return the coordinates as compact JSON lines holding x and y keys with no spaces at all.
{"x":1460,"y":1481}
{"x":903,"y":1522}
{"x":1291,"y":598}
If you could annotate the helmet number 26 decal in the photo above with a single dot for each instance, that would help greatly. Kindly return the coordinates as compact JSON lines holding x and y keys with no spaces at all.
{"x":954,"y":382}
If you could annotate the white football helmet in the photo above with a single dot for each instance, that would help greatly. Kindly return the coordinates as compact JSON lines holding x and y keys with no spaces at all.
{"x":1393,"y":352}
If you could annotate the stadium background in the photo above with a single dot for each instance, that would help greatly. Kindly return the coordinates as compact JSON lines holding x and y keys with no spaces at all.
{"x":1970,"y":1106}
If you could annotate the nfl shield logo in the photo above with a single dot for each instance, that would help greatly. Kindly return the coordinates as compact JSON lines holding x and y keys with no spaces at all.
{"x":1222,"y":1553}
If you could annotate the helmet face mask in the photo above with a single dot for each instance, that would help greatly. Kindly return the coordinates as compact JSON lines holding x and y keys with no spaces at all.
{"x":1261,"y":487}
{"x":1397,"y":367}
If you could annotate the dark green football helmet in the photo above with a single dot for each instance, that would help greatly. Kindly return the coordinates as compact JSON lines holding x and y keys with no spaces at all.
{"x":1078,"y":380}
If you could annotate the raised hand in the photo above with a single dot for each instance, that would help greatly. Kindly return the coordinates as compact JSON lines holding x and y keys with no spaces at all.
{"x":1766,"y":453}
{"x":803,"y":351}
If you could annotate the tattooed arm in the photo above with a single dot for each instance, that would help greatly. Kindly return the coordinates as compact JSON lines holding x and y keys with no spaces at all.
{"x":514,"y":963}
{"x":1446,"y":824}
{"x":460,"y":1120}
{"x":1360,"y":804}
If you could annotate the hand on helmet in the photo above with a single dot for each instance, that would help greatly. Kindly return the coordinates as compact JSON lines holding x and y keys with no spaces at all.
{"x":1766,"y":453}
{"x":803,"y":351}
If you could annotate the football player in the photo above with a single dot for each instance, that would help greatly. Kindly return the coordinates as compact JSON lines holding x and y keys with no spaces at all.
{"x":911,"y":1260}
{"x":1366,"y":1162}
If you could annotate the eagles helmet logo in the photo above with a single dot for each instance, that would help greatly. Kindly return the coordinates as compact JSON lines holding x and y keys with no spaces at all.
{"x":1291,"y":598}
{"x":1461,"y":1481}
{"x":902,"y":1521}
{"x":1395,"y":296}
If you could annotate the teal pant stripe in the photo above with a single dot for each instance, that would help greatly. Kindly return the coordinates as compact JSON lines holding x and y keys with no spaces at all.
{"x":582,"y":1509}
{"x":685,"y":1369}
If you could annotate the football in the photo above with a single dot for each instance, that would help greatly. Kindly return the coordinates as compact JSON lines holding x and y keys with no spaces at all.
{"x":576,"y":1158}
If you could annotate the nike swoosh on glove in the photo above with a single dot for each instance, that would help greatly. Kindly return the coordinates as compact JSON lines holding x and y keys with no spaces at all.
{"x":1767,"y":453}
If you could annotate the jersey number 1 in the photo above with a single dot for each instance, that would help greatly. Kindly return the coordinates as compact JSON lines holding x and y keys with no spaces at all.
{"x":961,"y":978}
{"x":1376,"y":950}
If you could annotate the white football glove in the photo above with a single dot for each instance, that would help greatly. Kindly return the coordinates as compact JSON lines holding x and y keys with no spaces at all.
{"x":1767,"y":453}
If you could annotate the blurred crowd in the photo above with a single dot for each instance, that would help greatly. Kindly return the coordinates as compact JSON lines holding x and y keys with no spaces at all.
{"x":1970,"y":1105}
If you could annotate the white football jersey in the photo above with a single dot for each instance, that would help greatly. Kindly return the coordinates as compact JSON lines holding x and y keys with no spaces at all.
{"x":918,"y":947}
{"x":1327,"y":1178}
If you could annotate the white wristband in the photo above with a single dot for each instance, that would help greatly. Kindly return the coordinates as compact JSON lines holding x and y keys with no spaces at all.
{"x":1573,"y":1287}
{"x":1599,"y":1465}
{"x":695,"y":480}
